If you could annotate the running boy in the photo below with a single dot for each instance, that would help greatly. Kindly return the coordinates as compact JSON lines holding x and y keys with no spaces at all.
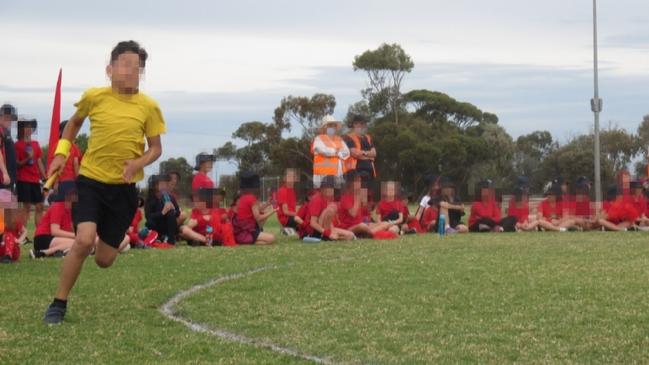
{"x":120,"y":119}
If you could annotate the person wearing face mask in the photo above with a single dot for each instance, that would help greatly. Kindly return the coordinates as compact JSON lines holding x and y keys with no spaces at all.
{"x":329,"y":152}
{"x":361,"y":148}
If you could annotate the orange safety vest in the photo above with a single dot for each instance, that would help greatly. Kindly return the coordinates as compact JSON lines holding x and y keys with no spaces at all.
{"x":325,"y":165}
{"x":350,"y":163}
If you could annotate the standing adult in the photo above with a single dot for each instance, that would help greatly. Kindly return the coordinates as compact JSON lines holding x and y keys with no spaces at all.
{"x":329,"y":152}
{"x":361,"y":149}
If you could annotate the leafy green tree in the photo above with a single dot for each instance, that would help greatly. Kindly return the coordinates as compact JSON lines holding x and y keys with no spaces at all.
{"x":438,"y":107}
{"x":386,"y":67}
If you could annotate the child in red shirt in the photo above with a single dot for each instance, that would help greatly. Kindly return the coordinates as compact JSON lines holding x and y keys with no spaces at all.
{"x":552,"y":215}
{"x":251,"y":215}
{"x":519,"y":208}
{"x":54,"y":234}
{"x":390,"y":208}
{"x":209,"y":224}
{"x":30,"y":170}
{"x":621,"y":214}
{"x":321,"y":215}
{"x":485,"y":211}
{"x":287,"y":204}
{"x":353,"y":214}
{"x":204,"y":165}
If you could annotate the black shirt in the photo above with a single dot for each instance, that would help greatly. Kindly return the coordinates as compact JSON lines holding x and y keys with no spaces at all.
{"x":363,"y":165}
{"x":10,"y":156}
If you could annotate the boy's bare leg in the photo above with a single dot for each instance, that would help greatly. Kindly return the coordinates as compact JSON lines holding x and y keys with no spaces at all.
{"x":73,"y":261}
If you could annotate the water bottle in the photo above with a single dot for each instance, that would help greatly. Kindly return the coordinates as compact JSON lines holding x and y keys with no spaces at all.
{"x":28,"y":150}
{"x":441,"y":225}
{"x":209,"y":236}
{"x":166,"y":198}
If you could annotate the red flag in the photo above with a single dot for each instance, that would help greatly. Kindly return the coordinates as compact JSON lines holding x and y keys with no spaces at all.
{"x":56,"y":121}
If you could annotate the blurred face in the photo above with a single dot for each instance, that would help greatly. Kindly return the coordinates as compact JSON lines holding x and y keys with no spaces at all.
{"x":625,"y":180}
{"x":216,"y":201}
{"x":327,"y":193}
{"x":173,"y":182}
{"x":485,"y":193}
{"x":27,"y":132}
{"x":291,"y":177}
{"x":359,"y":128}
{"x":163,"y":186}
{"x":5,"y":121}
{"x":388,"y":190}
{"x":125,"y":71}
{"x":207,"y":166}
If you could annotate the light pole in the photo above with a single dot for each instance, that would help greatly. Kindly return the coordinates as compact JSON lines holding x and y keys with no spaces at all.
{"x":596,"y":106}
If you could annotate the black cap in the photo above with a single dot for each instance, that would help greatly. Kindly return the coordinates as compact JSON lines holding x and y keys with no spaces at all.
{"x":522,"y":182}
{"x":357,"y":119}
{"x":203,"y":157}
{"x":485,"y":184}
{"x":8,"y":109}
{"x":24,"y":123}
{"x":249,"y":180}
{"x":445,"y":182}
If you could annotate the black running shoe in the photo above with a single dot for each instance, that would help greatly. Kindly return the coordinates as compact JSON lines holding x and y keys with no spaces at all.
{"x":54,"y":315}
{"x":6,"y":260}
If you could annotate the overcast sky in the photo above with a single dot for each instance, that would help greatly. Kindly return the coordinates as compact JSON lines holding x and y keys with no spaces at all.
{"x":216,"y":64}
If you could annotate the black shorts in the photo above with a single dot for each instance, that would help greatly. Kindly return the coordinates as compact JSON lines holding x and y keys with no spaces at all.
{"x":42,"y":242}
{"x":110,"y":206}
{"x":291,"y":223}
{"x":30,"y":193}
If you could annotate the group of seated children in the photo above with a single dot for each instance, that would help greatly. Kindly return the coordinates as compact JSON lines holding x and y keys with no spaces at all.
{"x":325,"y":217}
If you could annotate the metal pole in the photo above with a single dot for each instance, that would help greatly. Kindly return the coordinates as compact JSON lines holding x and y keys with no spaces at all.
{"x":596,"y":106}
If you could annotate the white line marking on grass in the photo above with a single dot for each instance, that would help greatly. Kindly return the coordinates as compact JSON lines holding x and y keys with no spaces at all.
{"x":168,"y":309}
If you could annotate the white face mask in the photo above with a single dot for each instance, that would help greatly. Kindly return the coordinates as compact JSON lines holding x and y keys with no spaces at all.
{"x":331,"y":131}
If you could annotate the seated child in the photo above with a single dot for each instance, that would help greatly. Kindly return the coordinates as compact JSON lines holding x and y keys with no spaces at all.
{"x":321,"y":215}
{"x":54,"y":234}
{"x":485,"y":211}
{"x":251,"y":215}
{"x":161,"y":210}
{"x":553,"y":214}
{"x":353,"y":214}
{"x":286,"y":200}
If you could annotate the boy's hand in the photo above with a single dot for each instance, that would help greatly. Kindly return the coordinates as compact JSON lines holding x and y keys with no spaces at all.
{"x":58,"y":162}
{"x":130,"y":169}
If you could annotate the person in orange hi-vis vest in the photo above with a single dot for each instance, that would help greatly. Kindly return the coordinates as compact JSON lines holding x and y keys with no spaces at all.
{"x":361,"y":149}
{"x":329,"y":152}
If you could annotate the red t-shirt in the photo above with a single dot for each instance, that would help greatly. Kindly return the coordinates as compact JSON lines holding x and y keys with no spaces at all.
{"x":202,"y":181}
{"x":344,"y":217}
{"x":316,"y":206}
{"x":480,"y":210}
{"x":429,"y":216}
{"x":551,"y":211}
{"x":583,"y":208}
{"x":285,"y":195}
{"x":28,"y":172}
{"x":519,"y":210}
{"x":56,"y":214}
{"x":68,"y":173}
{"x":639,"y":203}
{"x":137,"y":218}
{"x":405,"y":211}
{"x":385,"y":208}
{"x":244,"y":209}
{"x":202,"y":220}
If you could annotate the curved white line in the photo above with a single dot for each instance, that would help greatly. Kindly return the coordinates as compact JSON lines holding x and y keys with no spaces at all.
{"x":168,"y":309}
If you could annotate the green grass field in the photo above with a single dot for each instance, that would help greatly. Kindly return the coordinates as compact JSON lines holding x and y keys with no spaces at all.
{"x":494,"y":298}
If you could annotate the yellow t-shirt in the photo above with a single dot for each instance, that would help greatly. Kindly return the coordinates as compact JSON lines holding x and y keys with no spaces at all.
{"x":118,"y":126}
